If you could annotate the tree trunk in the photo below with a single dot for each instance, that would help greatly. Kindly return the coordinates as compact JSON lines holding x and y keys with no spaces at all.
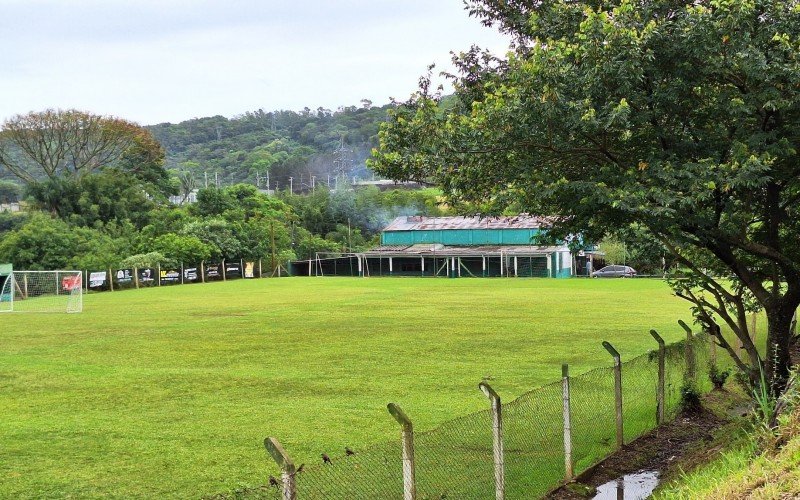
{"x":779,"y":336}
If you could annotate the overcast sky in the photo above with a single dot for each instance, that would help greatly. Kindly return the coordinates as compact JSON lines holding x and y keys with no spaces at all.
{"x":170,"y":60}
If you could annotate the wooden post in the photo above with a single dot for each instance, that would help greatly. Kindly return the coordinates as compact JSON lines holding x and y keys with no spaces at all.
{"x":25,"y":285}
{"x":497,"y":434}
{"x":617,"y":391}
{"x":691,"y":362}
{"x":158,"y":274}
{"x":662,"y":354}
{"x":259,"y":269}
{"x":202,"y":271}
{"x":182,"y":271}
{"x":136,"y":277}
{"x":111,"y":279}
{"x":569,"y":471}
{"x":409,"y":481}
{"x":288,"y":469}
{"x":223,"y":271}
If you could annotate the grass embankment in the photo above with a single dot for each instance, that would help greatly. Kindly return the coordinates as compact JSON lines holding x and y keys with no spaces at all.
{"x":168,"y":392}
{"x":744,"y":462}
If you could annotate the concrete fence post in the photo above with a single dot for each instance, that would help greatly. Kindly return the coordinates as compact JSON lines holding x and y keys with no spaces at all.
{"x":662,"y":354}
{"x":497,"y":435}
{"x":569,"y":471}
{"x":288,"y":469}
{"x":691,"y":362}
{"x":407,"y":429}
{"x":617,"y":391}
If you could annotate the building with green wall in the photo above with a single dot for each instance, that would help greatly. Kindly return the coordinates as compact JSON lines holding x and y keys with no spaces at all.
{"x":458,"y":247}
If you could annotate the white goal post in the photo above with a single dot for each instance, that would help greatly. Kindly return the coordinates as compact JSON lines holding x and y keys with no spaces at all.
{"x":42,"y":291}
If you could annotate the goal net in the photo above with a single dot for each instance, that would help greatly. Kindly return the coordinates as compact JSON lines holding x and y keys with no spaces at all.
{"x":42,"y":291}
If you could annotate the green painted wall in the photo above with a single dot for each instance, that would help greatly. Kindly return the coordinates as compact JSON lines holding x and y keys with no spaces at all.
{"x":461,"y":237}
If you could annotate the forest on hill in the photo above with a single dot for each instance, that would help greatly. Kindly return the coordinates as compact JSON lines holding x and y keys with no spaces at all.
{"x":256,"y":146}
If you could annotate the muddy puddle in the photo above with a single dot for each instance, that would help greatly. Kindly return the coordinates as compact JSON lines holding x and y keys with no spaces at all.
{"x":636,"y":486}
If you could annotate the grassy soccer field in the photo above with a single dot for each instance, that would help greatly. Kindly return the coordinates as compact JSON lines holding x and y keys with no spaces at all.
{"x":169,"y":392}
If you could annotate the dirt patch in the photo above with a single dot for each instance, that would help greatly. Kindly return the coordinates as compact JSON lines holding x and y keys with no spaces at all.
{"x":660,"y":450}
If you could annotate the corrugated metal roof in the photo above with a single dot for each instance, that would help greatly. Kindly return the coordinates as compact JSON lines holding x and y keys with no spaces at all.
{"x":441,"y":250}
{"x":420,"y":223}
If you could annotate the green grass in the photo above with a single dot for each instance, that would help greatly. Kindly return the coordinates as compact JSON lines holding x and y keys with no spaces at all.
{"x":169,"y":392}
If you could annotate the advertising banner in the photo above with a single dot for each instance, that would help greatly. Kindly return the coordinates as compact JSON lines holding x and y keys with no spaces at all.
{"x":191,"y":274}
{"x":249,"y":269}
{"x":69,"y":283}
{"x":124,"y":278}
{"x":213,"y":272}
{"x":170,"y":277}
{"x":233,"y":270}
{"x":147,"y":276}
{"x":98,"y":280}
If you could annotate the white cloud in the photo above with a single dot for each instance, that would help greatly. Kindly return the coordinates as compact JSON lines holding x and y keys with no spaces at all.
{"x":154,"y":61}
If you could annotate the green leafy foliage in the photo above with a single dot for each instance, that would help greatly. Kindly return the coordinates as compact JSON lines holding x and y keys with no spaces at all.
{"x":679,"y":119}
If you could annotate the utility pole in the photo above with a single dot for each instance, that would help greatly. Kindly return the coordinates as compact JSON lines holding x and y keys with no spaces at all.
{"x":205,"y":174}
{"x":291,"y":185}
{"x":313,"y":183}
{"x":216,"y":180}
{"x":267,"y":180}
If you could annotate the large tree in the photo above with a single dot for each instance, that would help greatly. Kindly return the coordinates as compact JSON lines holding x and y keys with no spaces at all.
{"x":66,"y":144}
{"x":679,"y":119}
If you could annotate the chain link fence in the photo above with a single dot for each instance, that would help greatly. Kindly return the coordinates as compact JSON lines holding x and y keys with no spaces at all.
{"x":460,"y":459}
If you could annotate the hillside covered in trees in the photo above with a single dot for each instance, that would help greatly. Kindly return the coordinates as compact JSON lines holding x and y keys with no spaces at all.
{"x":277,"y":145}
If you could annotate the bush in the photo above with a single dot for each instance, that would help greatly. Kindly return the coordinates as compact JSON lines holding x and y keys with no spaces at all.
{"x":690,"y":398}
{"x":718,"y":377}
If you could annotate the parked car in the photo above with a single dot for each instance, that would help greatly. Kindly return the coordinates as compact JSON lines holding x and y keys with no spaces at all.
{"x":615,"y":272}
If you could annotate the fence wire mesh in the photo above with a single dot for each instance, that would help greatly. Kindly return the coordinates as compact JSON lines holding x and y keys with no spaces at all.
{"x":455,"y":460}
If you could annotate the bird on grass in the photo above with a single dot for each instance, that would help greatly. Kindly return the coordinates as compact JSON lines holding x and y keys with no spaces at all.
{"x":300,"y":469}
{"x":348,"y":451}
{"x":273,"y":481}
{"x":326,"y":459}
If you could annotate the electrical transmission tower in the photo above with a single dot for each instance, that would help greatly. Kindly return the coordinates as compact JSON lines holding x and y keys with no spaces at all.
{"x":342,"y":162}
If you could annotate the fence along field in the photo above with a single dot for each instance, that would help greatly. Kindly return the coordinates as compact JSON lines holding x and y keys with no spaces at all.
{"x":169,"y":392}
{"x":520,"y":449}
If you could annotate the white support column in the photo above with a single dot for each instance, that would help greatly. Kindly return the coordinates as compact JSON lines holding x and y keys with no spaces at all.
{"x":391,"y":265}
{"x":501,"y":263}
{"x":422,"y":262}
{"x":516,"y":266}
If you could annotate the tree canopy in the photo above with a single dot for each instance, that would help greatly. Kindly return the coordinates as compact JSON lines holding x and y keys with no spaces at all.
{"x":60,"y":144}
{"x":681,"y":120}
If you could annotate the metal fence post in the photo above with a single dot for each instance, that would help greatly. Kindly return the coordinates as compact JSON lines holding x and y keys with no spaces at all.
{"x":409,"y":481}
{"x":617,"y":391}
{"x":662,"y":354}
{"x":691,"y":368}
{"x":497,"y":434}
{"x":288,"y":469}
{"x":569,"y":471}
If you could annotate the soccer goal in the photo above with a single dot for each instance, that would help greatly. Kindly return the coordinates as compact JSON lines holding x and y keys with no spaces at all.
{"x":42,"y":291}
